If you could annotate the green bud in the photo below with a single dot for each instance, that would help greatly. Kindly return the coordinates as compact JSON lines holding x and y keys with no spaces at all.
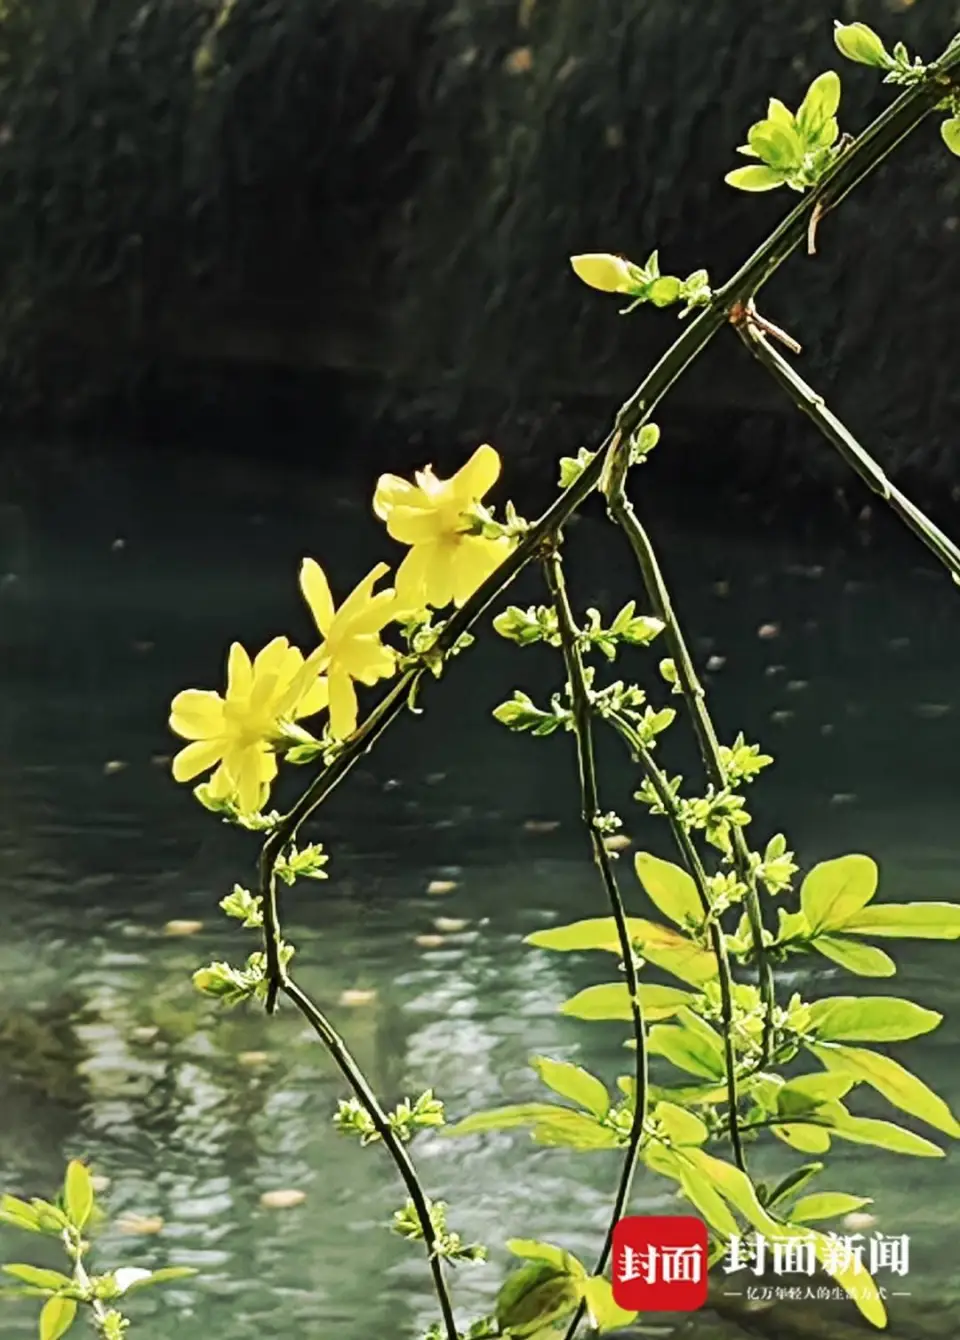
{"x":861,"y":44}
{"x":950,"y":130}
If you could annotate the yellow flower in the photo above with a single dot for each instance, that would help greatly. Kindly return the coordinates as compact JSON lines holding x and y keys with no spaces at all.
{"x":240,"y":731}
{"x":445,"y":561}
{"x":610,"y":274}
{"x":351,"y":648}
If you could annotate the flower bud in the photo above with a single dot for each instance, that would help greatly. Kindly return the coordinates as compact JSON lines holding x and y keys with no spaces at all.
{"x":609,"y":274}
{"x":861,"y":44}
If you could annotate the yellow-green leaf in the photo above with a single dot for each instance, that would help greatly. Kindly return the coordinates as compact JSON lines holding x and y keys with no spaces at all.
{"x":854,"y":1280}
{"x":777,"y":143}
{"x":950,"y":130}
{"x":826,"y":1205}
{"x":78,"y":1194}
{"x":611,"y":1000}
{"x":889,"y":1078}
{"x":870,"y":1019}
{"x":575,"y":1083}
{"x":885,"y":1135}
{"x":683,"y":1128}
{"x":604,"y":1313}
{"x":913,"y":921}
{"x":835,"y":891}
{"x":531,"y":1250}
{"x":57,"y":1317}
{"x":535,"y":1295}
{"x":820,"y":104}
{"x":685,"y":1050}
{"x":855,"y":956}
{"x":505,"y":1118}
{"x":735,"y":1187}
{"x":593,"y":933}
{"x":574,"y":1130}
{"x":38,"y":1278}
{"x":756,"y":177}
{"x":670,"y":889}
{"x":806,"y":1139}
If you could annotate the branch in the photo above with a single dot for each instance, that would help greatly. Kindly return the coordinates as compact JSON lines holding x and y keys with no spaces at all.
{"x":859,"y":460}
{"x":622,"y":513}
{"x":590,"y":803}
{"x":691,"y":858}
{"x":394,"y":1146}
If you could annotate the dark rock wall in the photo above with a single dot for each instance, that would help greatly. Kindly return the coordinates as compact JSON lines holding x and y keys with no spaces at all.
{"x":394,"y":187}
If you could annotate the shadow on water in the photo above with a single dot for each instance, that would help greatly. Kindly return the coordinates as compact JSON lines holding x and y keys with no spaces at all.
{"x":123,"y":581}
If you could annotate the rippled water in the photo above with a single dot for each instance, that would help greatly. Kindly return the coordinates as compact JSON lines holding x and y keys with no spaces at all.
{"x":125,"y":578}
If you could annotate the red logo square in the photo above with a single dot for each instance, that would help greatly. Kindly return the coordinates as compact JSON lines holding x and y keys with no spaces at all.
{"x":660,"y":1263}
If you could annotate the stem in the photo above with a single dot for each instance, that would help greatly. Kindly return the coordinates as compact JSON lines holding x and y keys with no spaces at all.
{"x":859,"y":460}
{"x":691,"y":857}
{"x":590,"y":812}
{"x":74,"y":1249}
{"x":622,"y":513}
{"x":395,"y":1148}
{"x":863,"y":157}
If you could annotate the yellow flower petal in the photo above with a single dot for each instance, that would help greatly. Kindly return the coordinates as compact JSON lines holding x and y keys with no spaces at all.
{"x":239,"y":673}
{"x":220,"y":787}
{"x":478,"y":476}
{"x":197,"y":714}
{"x":473,"y":561}
{"x":343,"y":703}
{"x":270,"y":660}
{"x":438,"y":575}
{"x":411,"y":578}
{"x":415,"y":525}
{"x":196,"y":758}
{"x":377,"y":613}
{"x":360,"y":596}
{"x":366,"y":659}
{"x":392,"y":492}
{"x":316,"y":592}
{"x":313,"y":701}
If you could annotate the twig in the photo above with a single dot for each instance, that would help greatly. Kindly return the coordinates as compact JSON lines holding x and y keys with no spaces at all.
{"x":590,"y":812}
{"x":622,"y":513}
{"x":859,"y":460}
{"x":691,"y":858}
{"x":394,"y":1146}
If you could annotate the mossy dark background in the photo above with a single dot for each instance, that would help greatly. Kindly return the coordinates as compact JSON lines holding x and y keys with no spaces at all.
{"x":258,"y":212}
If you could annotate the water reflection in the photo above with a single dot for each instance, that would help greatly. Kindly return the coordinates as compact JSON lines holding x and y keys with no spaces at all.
{"x":840,"y":659}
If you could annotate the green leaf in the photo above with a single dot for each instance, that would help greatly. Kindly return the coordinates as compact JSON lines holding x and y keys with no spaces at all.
{"x":603,"y":1312}
{"x":916,"y":921}
{"x":820,"y":1086}
{"x":871,"y":1019}
{"x":531,"y":1250}
{"x":686,"y":1050}
{"x":78,"y":1194}
{"x":682,"y":1127}
{"x":700,"y":1192}
{"x":864,"y":960}
{"x":57,"y":1317}
{"x":736,"y":1188}
{"x":854,"y":1280}
{"x":40,"y":1279}
{"x":505,"y":1118}
{"x":574,"y":1130}
{"x":662,"y":946}
{"x":835,"y":891}
{"x":793,"y":1182}
{"x":535,"y":1295}
{"x":777,"y":144}
{"x":885,"y":1135}
{"x":861,"y":44}
{"x":575,"y":1083}
{"x":612,"y":1001}
{"x":130,"y":1280}
{"x":19,"y":1214}
{"x":806,"y":1139}
{"x":820,"y":104}
{"x":950,"y":130}
{"x":891,"y":1080}
{"x":780,"y":113}
{"x":670,"y":888}
{"x":756,"y":177}
{"x":826,"y":1205}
